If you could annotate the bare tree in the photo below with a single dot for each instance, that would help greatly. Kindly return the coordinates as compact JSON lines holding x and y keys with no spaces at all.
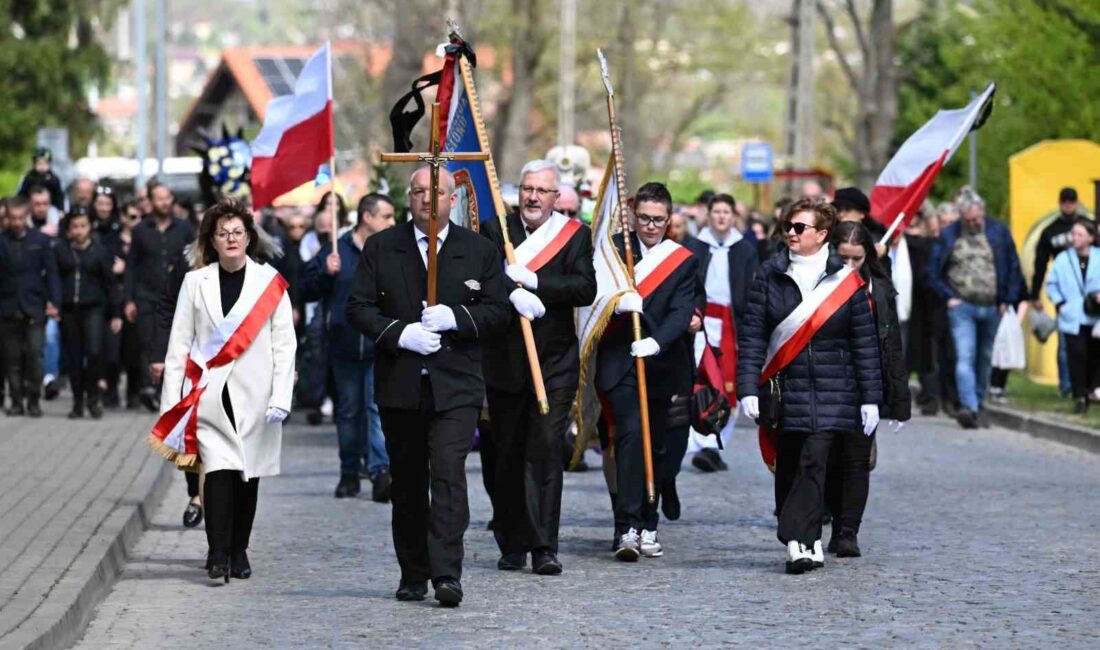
{"x":530,"y":37}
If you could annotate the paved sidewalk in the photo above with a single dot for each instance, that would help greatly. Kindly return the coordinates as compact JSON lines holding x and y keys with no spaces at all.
{"x":972,"y":538}
{"x":72,"y":495}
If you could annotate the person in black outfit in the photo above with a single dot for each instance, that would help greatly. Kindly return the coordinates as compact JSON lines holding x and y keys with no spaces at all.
{"x":931,"y":350}
{"x":88,"y":296}
{"x":41,"y":175}
{"x":29,"y":294}
{"x":156,"y":243}
{"x":853,"y":205}
{"x":528,"y":445}
{"x":847,"y":478}
{"x":428,"y":377}
{"x":666,"y":313}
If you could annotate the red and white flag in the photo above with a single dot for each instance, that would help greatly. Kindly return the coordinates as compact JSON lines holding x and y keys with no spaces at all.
{"x":297,"y":135}
{"x":908,"y":177}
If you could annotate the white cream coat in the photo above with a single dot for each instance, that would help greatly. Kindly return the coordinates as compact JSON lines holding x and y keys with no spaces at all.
{"x":262,"y":377}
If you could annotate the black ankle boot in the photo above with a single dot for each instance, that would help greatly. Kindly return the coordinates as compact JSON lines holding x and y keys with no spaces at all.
{"x":77,"y":412}
{"x":847,"y":544}
{"x":218,"y":566}
{"x":239,"y":566}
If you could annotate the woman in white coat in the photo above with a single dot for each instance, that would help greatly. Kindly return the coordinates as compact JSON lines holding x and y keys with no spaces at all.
{"x":1074,"y":283}
{"x":232,"y":349}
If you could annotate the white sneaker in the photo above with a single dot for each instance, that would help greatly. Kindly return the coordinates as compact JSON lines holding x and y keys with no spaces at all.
{"x":628,"y":547}
{"x":818,"y":555}
{"x":799,"y":558}
{"x":650,"y":547}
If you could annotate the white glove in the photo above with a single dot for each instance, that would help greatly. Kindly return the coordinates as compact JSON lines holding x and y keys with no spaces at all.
{"x":645,"y":348}
{"x":527,"y":304}
{"x":523,"y":275}
{"x":869,"y":414}
{"x":750,"y":406}
{"x":276,"y":414}
{"x":415,"y":338}
{"x":631,"y":301}
{"x":438,"y":318}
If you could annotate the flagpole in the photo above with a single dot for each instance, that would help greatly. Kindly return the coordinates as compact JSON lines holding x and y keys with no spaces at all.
{"x":332,"y":158}
{"x":333,"y":209}
{"x":885,"y":241}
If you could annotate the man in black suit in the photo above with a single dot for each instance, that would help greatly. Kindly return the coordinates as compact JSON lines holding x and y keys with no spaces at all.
{"x":555,"y":273}
{"x":727,"y":263}
{"x":30,"y":290}
{"x":665,"y":274}
{"x":427,"y":375}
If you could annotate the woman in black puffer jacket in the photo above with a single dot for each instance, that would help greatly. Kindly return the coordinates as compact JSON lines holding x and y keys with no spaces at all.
{"x":849,"y":470}
{"x":833,"y":385}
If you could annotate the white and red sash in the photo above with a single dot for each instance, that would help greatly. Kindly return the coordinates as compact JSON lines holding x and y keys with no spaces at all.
{"x":659,"y":263}
{"x":175,"y":435}
{"x":542,"y":245}
{"x":727,"y":344}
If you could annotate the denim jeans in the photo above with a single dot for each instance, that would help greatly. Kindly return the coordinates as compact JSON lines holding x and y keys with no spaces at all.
{"x":1065,"y":385}
{"x":973,"y":327}
{"x":52,"y":361}
{"x":358,"y":425}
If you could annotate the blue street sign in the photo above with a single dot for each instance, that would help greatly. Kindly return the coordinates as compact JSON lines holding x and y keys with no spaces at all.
{"x":756,"y":162}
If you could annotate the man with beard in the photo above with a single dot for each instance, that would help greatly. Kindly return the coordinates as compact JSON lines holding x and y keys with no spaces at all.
{"x":554,"y":274}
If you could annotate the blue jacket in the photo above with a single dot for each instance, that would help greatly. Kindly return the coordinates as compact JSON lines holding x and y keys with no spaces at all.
{"x":1010,"y":279}
{"x":26,"y":288}
{"x":344,"y":341}
{"x":1067,"y":289}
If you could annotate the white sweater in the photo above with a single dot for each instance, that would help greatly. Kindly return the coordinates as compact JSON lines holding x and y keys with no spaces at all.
{"x":807,"y":270}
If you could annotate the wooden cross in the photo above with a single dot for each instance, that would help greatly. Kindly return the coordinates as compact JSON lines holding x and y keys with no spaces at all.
{"x":434,"y":159}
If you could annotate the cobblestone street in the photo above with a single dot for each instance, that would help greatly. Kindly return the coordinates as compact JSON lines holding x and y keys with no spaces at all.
{"x":971,"y":539}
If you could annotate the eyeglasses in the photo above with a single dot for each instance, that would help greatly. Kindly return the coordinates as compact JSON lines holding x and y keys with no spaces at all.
{"x":421,"y":192}
{"x":224,"y":235}
{"x":645,"y":219}
{"x":542,"y":192}
{"x":570,"y":213}
{"x":798,"y":228}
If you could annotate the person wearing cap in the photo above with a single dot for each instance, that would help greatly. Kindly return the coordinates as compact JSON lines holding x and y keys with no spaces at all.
{"x":41,"y":175}
{"x":1055,"y":238}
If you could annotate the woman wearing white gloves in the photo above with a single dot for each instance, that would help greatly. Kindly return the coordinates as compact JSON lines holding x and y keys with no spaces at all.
{"x":809,"y":346}
{"x":228,"y":378}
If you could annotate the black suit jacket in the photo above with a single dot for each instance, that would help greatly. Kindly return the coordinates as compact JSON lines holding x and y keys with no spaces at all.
{"x":743,"y":260}
{"x":25,"y":288}
{"x":566,"y":281}
{"x":387,"y":294}
{"x":666,"y":314}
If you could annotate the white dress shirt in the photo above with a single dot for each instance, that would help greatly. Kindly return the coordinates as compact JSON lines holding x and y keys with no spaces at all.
{"x":422,"y":241}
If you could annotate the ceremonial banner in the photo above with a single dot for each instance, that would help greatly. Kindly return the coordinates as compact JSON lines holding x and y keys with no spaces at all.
{"x":297,"y":134}
{"x":459,"y":134}
{"x":908,"y":177}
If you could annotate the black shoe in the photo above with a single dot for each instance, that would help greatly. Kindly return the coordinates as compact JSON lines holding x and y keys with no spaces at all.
{"x":967,"y":419}
{"x":348,"y":486}
{"x":831,"y":548}
{"x":95,"y":411}
{"x":218,"y":566}
{"x":33,"y":409}
{"x":149,"y":399}
{"x":381,"y":486}
{"x":545,"y":563}
{"x":448,"y":592}
{"x":239,"y":566}
{"x":1081,"y":406}
{"x":16,"y":410}
{"x":51,"y":390}
{"x":412,"y":591}
{"x":707,"y":460}
{"x":512,"y":562}
{"x":314,"y":417}
{"x":192,"y":515}
{"x":77,"y":412}
{"x":847,"y":545}
{"x":800,"y":566}
{"x":670,"y":500}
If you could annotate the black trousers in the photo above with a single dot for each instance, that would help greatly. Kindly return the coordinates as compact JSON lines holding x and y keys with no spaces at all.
{"x":82,"y":338}
{"x":428,"y":450}
{"x":1084,"y":361}
{"x":847,"y":479}
{"x":230,"y":508}
{"x":632,"y":507}
{"x":192,"y":483}
{"x":801,"y":460}
{"x":527,"y":447}
{"x":21,"y":341}
{"x":677,"y":433}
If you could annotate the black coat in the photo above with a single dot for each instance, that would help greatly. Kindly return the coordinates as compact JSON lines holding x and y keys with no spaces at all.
{"x":387,"y":293}
{"x":897,"y":402}
{"x":743,"y":261}
{"x":836,"y":373}
{"x":565,"y":282}
{"x":666,"y":314}
{"x":25,"y":287}
{"x":87,"y":277}
{"x":928,"y":318}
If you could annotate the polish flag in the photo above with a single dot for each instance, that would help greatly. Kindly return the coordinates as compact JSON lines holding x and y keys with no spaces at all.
{"x":909,"y":175}
{"x":297,"y":134}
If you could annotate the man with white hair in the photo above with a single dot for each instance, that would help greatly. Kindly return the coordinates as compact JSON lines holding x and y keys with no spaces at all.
{"x":552,"y":274}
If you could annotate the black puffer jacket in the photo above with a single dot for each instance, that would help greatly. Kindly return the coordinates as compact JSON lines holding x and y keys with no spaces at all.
{"x":839,"y":370}
{"x":897,"y":402}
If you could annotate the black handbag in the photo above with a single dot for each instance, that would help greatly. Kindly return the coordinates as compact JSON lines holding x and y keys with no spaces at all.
{"x":710,"y":408}
{"x":1092,"y":304}
{"x":771,"y":404}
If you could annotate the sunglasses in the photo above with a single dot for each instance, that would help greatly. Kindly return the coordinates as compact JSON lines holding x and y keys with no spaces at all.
{"x":798,"y":228}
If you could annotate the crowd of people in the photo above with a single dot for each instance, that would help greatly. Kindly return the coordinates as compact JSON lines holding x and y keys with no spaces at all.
{"x":110,"y":296}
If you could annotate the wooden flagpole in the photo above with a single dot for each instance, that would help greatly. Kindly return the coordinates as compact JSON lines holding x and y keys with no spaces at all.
{"x":333,"y":210}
